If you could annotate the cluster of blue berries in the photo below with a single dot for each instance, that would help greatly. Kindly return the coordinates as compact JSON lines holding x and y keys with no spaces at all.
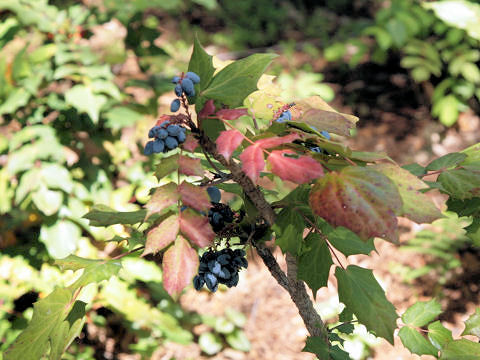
{"x":318,"y":149}
{"x":220,"y":267}
{"x":166,"y":137}
{"x":184,"y":84}
{"x":219,"y":214}
{"x":284,"y":116}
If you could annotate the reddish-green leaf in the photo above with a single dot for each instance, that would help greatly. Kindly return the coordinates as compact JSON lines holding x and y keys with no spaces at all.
{"x":268,"y":143}
{"x":228,"y":141}
{"x":196,"y":228}
{"x":190,"y":143}
{"x":166,"y":166}
{"x":231,"y":114}
{"x":300,"y":170}
{"x":180,"y":264}
{"x":189,"y":166}
{"x":194,"y":196}
{"x":162,"y":235}
{"x":360,"y":199}
{"x":163,"y":197}
{"x":252,"y":162}
{"x":316,"y":112}
{"x":207,"y":110}
{"x":416,"y":205}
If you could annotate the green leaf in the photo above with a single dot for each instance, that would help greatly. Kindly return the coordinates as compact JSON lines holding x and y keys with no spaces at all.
{"x":236,"y":317}
{"x":16,"y":99}
{"x":288,"y":228}
{"x":48,"y":315}
{"x":421,"y":313}
{"x":462,"y":349}
{"x":60,"y":238}
{"x":99,"y":271}
{"x":439,"y":335}
{"x":85,"y":100}
{"x":202,"y":64}
{"x":360,"y":199}
{"x":167,"y":166}
{"x":223,"y":326}
{"x":102,"y":215}
{"x":348,"y":243}
{"x":360,"y":292}
{"x":446,"y":161}
{"x":472,"y":325}
{"x":73,"y":262}
{"x":316,"y":345}
{"x":47,"y":201}
{"x":314,"y":263}
{"x":239,"y":341}
{"x":446,"y":109}
{"x":417,"y":206}
{"x":415,"y":342}
{"x":234,"y":82}
{"x":210,"y":343}
{"x":121,"y":117}
{"x":461,"y":183}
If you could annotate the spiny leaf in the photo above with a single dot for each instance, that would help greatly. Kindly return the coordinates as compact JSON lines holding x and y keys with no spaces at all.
{"x":417,"y":206}
{"x":180,"y":264}
{"x":231,"y":114}
{"x":415,"y":342}
{"x":102,"y":215}
{"x":207,"y":110}
{"x":162,"y":235}
{"x":228,"y":141}
{"x":189,"y":166}
{"x":167,"y":166}
{"x":360,"y":292}
{"x":73,"y":262}
{"x":439,"y":335}
{"x":97,"y":272}
{"x":194,"y":196}
{"x":252,"y":162}
{"x":271,"y":142}
{"x":299,"y":170}
{"x":360,"y":199}
{"x":421,"y":313}
{"x":445,"y":162}
{"x":346,"y":241}
{"x":288,"y":227}
{"x":196,"y":228}
{"x":461,"y":183}
{"x":472,"y":325}
{"x":163,"y":197}
{"x":201,"y":64}
{"x":462,"y":349}
{"x":190,"y":143}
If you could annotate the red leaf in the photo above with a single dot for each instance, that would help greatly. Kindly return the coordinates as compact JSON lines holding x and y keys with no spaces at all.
{"x":162,"y":235}
{"x":252,"y":162}
{"x":360,"y":199}
{"x":190,"y":143}
{"x":228,"y":141}
{"x":180,"y":264}
{"x":189,"y":166}
{"x":162,"y":119}
{"x":194,"y":196}
{"x":231,"y":114}
{"x":208,"y":109}
{"x":299,"y":170}
{"x":196,"y":228}
{"x":163,"y":197}
{"x":276,"y":141}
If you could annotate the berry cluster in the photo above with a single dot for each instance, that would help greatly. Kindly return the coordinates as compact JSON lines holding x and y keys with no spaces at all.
{"x":218,"y":215}
{"x":166,"y":137}
{"x":284,"y":116}
{"x":219,"y":267}
{"x":184,"y":84}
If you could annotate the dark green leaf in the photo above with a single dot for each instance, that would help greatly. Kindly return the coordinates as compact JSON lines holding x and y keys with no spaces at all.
{"x":415,"y":342}
{"x":472,"y":325}
{"x":461,"y":183}
{"x":439,"y":335}
{"x":235,"y":81}
{"x":360,"y":292}
{"x":202,"y":64}
{"x":316,"y":345}
{"x":446,"y":162}
{"x":346,"y":241}
{"x":102,"y":215}
{"x":415,"y":169}
{"x":421,"y":313}
{"x":288,"y":228}
{"x":314,"y":263}
{"x":462,"y":349}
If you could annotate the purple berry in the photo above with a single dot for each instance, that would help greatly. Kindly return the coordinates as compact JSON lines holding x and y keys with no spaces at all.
{"x":187,"y":86}
{"x":178,"y":90}
{"x":192,"y":76}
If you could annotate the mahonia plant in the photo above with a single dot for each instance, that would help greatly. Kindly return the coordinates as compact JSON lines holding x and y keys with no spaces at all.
{"x":296,"y":182}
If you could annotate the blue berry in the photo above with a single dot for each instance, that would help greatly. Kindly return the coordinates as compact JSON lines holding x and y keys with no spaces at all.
{"x":187,"y":86}
{"x":152,"y":132}
{"x":288,"y":115}
{"x":175,"y":105}
{"x":162,"y":134}
{"x":214,"y":267}
{"x":176,"y":79}
{"x":217,"y":218}
{"x":148,"y":148}
{"x":211,"y":281}
{"x":198,"y":282}
{"x":325,"y":134}
{"x":158,"y":146}
{"x":178,"y":90}
{"x":181,"y":137}
{"x":316,"y":149}
{"x":224,"y":273}
{"x":173,"y":130}
{"x":224,"y":259}
{"x":171,"y":142}
{"x":214,"y":194}
{"x":192,"y":76}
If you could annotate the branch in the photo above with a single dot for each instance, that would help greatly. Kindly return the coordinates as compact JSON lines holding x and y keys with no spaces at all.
{"x":295,"y":287}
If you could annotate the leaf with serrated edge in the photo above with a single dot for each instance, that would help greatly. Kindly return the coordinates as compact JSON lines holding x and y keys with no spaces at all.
{"x":194,"y":196}
{"x":196,"y":228}
{"x":360,"y":292}
{"x":439,"y":335}
{"x":299,"y":170}
{"x":461,"y":183}
{"x":360,"y":199}
{"x":97,"y":272}
{"x":252,"y":162}
{"x":167,"y":166}
{"x":462,"y":349}
{"x":102,"y":215}
{"x":446,"y":161}
{"x":231,"y":114}
{"x":190,"y":143}
{"x":421,"y":313}
{"x":228,"y":141}
{"x":73,"y":262}
{"x":162,"y":235}
{"x":48,"y":314}
{"x":417,"y":206}
{"x":163,"y":197}
{"x":314,"y":264}
{"x":180,"y":264}
{"x":189,"y":166}
{"x":472,"y":324}
{"x":271,"y":142}
{"x":201,"y":64}
{"x":415,"y":342}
